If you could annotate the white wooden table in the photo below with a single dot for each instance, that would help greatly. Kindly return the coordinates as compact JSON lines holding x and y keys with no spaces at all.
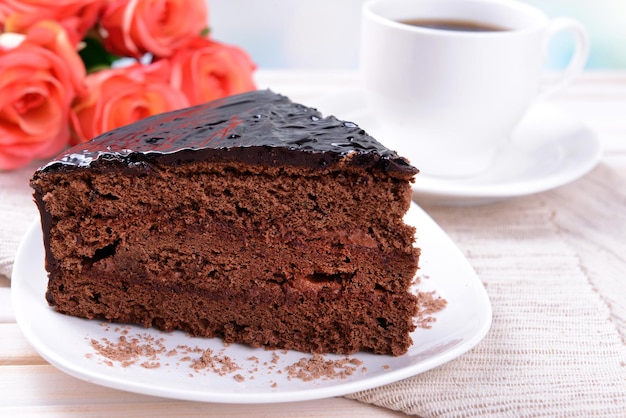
{"x":31,"y":387}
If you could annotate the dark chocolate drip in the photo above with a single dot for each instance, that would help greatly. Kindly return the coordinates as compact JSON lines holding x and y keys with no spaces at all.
{"x":258,"y":127}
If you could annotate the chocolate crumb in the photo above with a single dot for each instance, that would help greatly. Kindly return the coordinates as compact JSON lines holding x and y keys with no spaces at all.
{"x":150,"y":365}
{"x":128,"y":351}
{"x":219,"y":364}
{"x":429,"y":304}
{"x":318,"y":367}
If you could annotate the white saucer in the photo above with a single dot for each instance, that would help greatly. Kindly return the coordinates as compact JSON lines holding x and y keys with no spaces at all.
{"x":549,"y":149}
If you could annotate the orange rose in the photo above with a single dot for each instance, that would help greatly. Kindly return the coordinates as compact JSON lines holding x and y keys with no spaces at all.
{"x":40,"y":74}
{"x":76,"y":16}
{"x":207,"y":70}
{"x":132,"y":28}
{"x":118,"y":97}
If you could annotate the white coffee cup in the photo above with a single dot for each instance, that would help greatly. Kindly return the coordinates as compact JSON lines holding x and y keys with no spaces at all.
{"x":448,"y":100}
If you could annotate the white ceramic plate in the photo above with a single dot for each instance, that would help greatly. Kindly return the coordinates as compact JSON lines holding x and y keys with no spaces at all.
{"x":64,"y":341}
{"x":550,"y":148}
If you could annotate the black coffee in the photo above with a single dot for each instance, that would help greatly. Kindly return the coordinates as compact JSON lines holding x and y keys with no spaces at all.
{"x":456,"y":25}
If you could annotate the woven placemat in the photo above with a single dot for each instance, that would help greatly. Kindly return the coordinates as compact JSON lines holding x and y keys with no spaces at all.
{"x":554,"y":267}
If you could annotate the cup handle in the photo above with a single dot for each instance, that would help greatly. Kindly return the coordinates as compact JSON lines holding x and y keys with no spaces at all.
{"x":578,"y":60}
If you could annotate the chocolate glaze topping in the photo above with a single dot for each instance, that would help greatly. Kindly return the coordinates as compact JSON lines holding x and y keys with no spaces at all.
{"x":258,"y":127}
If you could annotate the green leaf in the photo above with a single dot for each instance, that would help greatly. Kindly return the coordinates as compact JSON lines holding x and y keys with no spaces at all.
{"x":95,"y":56}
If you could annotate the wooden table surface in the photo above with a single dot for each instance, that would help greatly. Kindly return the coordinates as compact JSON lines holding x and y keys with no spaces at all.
{"x":31,"y":387}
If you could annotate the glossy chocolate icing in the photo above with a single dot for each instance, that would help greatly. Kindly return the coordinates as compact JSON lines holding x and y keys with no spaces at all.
{"x":258,"y":127}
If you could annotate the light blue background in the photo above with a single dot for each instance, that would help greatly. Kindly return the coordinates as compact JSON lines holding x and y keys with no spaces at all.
{"x":311,"y":34}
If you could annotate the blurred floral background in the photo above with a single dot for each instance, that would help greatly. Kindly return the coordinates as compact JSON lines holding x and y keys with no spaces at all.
{"x":73,"y":69}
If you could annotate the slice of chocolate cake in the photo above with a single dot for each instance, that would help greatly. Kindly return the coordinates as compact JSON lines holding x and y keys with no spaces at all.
{"x":250,"y":218}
